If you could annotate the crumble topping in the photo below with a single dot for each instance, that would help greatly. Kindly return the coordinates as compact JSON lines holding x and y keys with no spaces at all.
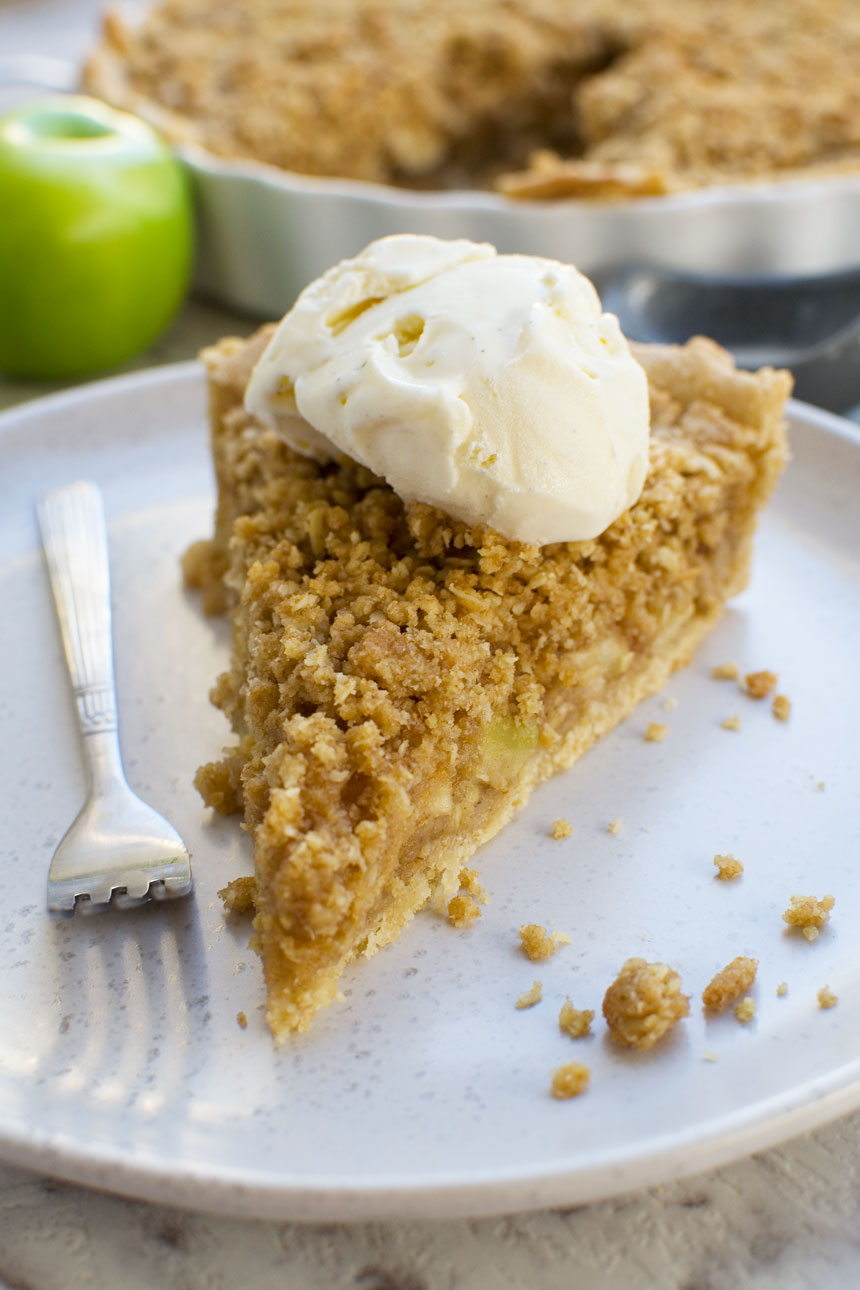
{"x":604,"y":98}
{"x":758,"y":685}
{"x":656,"y":732}
{"x":537,"y":945}
{"x":745,"y":1011}
{"x":643,"y":1003}
{"x":725,"y":672}
{"x":574,"y":1021}
{"x":781,"y":707}
{"x":242,"y":1020}
{"x":826,"y":997}
{"x":731,"y":723}
{"x":782,"y":989}
{"x":530,"y":997}
{"x":808,"y":914}
{"x":561,"y":829}
{"x":614,"y":827}
{"x":569,"y":1080}
{"x":735,"y":978}
{"x":728,"y":867}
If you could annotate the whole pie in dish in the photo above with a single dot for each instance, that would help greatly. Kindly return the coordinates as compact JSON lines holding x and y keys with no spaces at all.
{"x":542,"y":98}
{"x":400,"y":680}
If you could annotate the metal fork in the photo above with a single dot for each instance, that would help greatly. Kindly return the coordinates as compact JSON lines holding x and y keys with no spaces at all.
{"x":118,"y":849}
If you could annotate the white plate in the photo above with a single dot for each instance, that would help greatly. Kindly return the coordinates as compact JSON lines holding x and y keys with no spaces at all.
{"x":425,"y":1092}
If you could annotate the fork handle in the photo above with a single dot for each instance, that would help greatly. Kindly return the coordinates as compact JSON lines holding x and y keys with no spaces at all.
{"x":73,"y":534}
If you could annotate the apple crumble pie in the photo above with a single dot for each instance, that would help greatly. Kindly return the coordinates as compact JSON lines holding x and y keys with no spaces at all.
{"x":540,"y":98}
{"x":401,"y":680}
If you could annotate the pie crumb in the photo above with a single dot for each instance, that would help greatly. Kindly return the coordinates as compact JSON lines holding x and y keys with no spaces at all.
{"x":656,"y":732}
{"x":758,"y":685}
{"x":725,"y":672}
{"x":238,"y":896}
{"x":781,"y":707}
{"x":462,"y":910}
{"x":570,"y":1080}
{"x":242,"y":1020}
{"x":670,"y":704}
{"x":643,"y":1003}
{"x":709,"y":1056}
{"x":735,"y":978}
{"x":745,"y":1011}
{"x":574,"y":1022}
{"x":826,"y":997}
{"x":808,"y":914}
{"x":561,"y":829}
{"x":782,"y":989}
{"x":470,"y":882}
{"x":731,"y":723}
{"x":530,"y":997}
{"x":614,"y":827}
{"x":537,"y":944}
{"x":728,"y":867}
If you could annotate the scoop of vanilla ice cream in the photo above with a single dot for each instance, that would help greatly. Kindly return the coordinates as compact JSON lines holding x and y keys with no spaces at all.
{"x":491,"y":386}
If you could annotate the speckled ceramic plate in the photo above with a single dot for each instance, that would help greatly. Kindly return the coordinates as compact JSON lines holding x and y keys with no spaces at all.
{"x":425,"y":1092}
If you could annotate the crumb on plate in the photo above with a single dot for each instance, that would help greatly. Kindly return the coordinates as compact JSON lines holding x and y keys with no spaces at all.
{"x":725,"y":672}
{"x":530,"y":997}
{"x":758,"y":685}
{"x":614,"y":827}
{"x":781,"y":707}
{"x":826,"y":997}
{"x":745,"y":1011}
{"x":561,"y":829}
{"x":670,"y":704}
{"x":655,"y":732}
{"x":463,"y":910}
{"x":242,"y":1020}
{"x":573,"y":1021}
{"x":728,"y":867}
{"x":538,"y":944}
{"x":643,"y":1003}
{"x":569,"y":1080}
{"x":239,"y":895}
{"x":731,"y":723}
{"x":735,"y":978}
{"x":709,"y":1056}
{"x":808,"y":914}
{"x":470,"y":882}
{"x":782,"y":989}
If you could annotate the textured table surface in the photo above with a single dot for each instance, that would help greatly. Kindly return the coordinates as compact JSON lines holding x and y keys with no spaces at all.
{"x":789,"y":1218}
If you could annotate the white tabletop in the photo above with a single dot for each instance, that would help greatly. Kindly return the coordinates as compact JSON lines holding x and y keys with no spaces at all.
{"x":789,"y":1218}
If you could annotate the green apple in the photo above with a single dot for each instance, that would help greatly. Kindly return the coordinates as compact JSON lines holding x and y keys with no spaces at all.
{"x":96,"y":237}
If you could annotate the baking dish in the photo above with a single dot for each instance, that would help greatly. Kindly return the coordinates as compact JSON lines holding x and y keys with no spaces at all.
{"x":771,"y":270}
